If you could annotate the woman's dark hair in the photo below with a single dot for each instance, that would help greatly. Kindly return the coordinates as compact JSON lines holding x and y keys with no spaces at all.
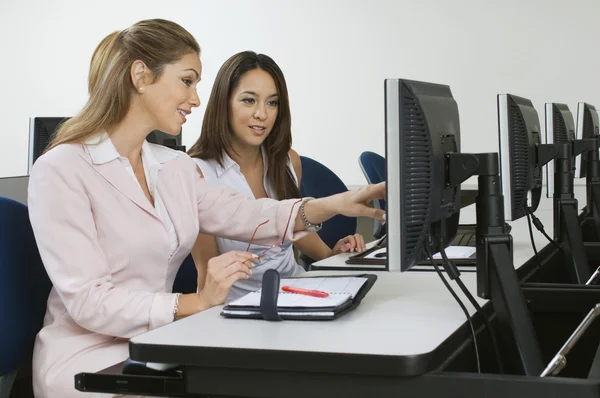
{"x":215,"y":137}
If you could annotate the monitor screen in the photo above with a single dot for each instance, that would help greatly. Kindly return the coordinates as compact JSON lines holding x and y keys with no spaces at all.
{"x":519,"y":135}
{"x":587,"y":127}
{"x":41,"y":131}
{"x":421,"y":126}
{"x":560,"y":128}
{"x":162,"y":138}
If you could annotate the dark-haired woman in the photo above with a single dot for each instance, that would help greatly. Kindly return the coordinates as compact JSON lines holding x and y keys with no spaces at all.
{"x":245,"y":144}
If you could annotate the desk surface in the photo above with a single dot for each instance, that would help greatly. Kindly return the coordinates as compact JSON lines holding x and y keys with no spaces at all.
{"x":403,"y":324}
{"x":402,"y":321}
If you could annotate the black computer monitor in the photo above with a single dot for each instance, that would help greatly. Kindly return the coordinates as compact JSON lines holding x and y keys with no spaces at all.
{"x":41,"y":131}
{"x":522,"y":155}
{"x":421,"y":127}
{"x":560,"y":129}
{"x":168,"y":140}
{"x":587,"y":127}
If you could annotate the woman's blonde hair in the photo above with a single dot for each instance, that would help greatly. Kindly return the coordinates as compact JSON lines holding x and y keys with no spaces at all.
{"x":156,"y":42}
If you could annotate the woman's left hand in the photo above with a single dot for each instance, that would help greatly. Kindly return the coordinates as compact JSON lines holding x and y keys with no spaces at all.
{"x":351,"y":243}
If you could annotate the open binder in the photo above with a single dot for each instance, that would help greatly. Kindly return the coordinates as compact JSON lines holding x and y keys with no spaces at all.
{"x":271,"y":303}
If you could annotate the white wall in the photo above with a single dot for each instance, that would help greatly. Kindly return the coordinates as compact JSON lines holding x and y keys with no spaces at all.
{"x":335,"y":55}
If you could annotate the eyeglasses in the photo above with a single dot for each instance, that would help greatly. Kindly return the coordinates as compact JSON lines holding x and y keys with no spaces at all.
{"x":271,"y":251}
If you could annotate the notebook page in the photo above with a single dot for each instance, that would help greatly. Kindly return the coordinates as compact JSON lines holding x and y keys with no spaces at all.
{"x":292,"y":300}
{"x":340,"y":290}
{"x":349,"y":285}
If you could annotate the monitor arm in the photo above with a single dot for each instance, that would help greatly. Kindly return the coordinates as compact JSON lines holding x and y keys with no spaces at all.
{"x":567,"y":230}
{"x":496,"y":276}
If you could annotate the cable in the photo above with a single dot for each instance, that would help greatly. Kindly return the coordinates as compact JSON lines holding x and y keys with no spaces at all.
{"x":537,"y":256}
{"x":475,"y":304}
{"x":460,"y":303}
{"x":540,"y":227}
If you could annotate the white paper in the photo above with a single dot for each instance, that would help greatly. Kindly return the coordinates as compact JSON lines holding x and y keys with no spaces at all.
{"x":454,"y":252}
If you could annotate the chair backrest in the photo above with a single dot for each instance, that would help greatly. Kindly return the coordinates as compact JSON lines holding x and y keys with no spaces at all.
{"x":186,"y":280}
{"x":373,"y":167}
{"x":24,"y":286}
{"x":319,"y":181}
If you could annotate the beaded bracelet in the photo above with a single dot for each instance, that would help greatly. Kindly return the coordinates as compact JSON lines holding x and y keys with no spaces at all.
{"x":309,"y":226}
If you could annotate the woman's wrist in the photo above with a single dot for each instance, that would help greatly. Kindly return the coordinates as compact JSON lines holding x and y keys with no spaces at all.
{"x":203,"y":304}
{"x":189,"y":304}
{"x":320,"y":210}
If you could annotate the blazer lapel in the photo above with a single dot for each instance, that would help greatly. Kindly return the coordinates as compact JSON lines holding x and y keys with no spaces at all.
{"x":117,"y":176}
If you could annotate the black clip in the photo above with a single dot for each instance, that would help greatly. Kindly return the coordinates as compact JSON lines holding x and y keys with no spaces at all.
{"x":269,"y":295}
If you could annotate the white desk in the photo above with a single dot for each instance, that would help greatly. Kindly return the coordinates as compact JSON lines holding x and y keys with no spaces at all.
{"x":14,"y":188}
{"x":405,"y":315}
{"x":395,"y":321}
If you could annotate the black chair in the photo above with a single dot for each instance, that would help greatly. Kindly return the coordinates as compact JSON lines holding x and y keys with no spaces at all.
{"x":186,"y":280}
{"x":24,"y":289}
{"x":373,"y":167}
{"x":318,"y":181}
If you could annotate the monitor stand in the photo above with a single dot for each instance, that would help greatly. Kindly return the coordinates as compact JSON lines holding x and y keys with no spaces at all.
{"x":567,"y":230}
{"x":590,"y":219}
{"x":496,"y":276}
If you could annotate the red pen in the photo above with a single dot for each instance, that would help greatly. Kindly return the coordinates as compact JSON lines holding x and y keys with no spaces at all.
{"x":307,"y":292}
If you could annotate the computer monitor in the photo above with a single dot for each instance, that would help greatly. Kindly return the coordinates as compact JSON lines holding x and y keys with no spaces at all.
{"x":560,"y":128}
{"x":521,"y":155}
{"x":421,"y":127}
{"x":587,"y":127}
{"x":41,"y":131}
{"x":168,"y":140}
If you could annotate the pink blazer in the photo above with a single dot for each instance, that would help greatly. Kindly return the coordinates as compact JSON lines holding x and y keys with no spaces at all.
{"x":107,"y":253}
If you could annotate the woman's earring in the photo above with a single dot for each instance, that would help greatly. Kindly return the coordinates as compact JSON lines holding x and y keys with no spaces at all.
{"x":142,"y":90}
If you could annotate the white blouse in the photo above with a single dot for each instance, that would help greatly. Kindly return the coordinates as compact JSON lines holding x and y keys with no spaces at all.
{"x":231,"y":176}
